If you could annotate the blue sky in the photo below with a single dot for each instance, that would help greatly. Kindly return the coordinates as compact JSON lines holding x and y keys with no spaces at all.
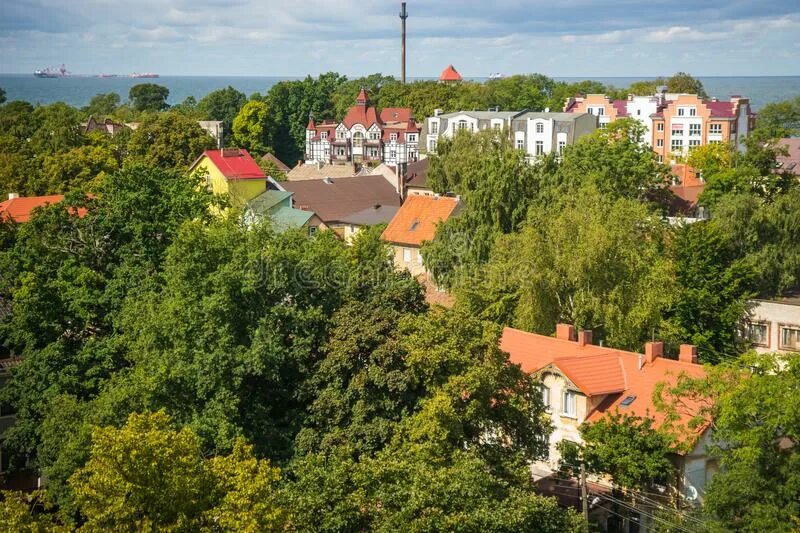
{"x":293,"y":38}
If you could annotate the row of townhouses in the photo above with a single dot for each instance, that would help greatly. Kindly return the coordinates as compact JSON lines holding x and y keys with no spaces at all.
{"x":674,"y":122}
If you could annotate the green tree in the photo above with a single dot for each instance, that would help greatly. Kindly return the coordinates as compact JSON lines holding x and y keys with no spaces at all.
{"x":149,"y":97}
{"x":681,"y":82}
{"x":591,"y":262}
{"x":57,"y":129}
{"x":102,"y":105}
{"x":223,"y":104}
{"x":780,"y":119}
{"x":2,"y":96}
{"x":251,"y":129}
{"x":751,"y":404}
{"x":168,"y":140}
{"x":77,"y":168}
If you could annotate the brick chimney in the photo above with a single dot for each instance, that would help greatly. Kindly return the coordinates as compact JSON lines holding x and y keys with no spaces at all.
{"x":653,"y":350}
{"x":688,"y":353}
{"x":565,"y":332}
{"x":584,"y":337}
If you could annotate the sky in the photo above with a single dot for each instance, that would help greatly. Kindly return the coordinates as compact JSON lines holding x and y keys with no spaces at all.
{"x":357,"y":37}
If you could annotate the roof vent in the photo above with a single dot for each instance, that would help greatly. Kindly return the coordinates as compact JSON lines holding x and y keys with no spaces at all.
{"x":13,"y":195}
{"x":627,"y":401}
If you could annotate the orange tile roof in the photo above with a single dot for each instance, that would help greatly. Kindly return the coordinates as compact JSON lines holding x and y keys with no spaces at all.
{"x":19,"y":209}
{"x":450,"y":74}
{"x":416,"y":220}
{"x":601,"y":371}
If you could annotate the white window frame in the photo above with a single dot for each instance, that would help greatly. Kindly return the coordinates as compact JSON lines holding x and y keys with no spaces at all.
{"x":406,"y":255}
{"x":757,"y":324}
{"x":392,"y":136}
{"x":715,"y":128}
{"x":435,"y":126}
{"x":677,"y":144}
{"x":695,"y":130}
{"x":566,"y":396}
{"x":545,"y":396}
{"x":539,"y":148}
{"x":540,"y":127}
{"x":788,"y":331}
{"x":660,"y":126}
{"x":520,"y":144}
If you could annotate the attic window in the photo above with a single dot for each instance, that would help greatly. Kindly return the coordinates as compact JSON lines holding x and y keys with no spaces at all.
{"x":627,"y":401}
{"x":414,"y":225}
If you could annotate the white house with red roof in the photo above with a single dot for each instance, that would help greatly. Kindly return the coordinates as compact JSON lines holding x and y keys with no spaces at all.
{"x":365,"y":137}
{"x":583,"y":382}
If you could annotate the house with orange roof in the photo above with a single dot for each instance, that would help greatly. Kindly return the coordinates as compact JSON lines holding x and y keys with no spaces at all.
{"x":365,"y":137}
{"x":583,"y":382}
{"x":20,"y":208}
{"x":450,"y":75}
{"x":415,"y":223}
{"x":231,"y":172}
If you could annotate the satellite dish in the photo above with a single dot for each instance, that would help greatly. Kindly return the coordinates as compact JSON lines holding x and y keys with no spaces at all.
{"x":690,"y":492}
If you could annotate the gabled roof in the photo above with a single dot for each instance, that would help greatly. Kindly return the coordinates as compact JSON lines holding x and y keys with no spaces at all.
{"x":339,"y":198}
{"x":233,"y":163}
{"x":360,"y":115}
{"x":416,"y":220}
{"x":417,"y":174}
{"x":20,"y":209}
{"x":450,"y":74}
{"x":601,"y":372}
{"x":277,"y":162}
{"x":395,"y":114}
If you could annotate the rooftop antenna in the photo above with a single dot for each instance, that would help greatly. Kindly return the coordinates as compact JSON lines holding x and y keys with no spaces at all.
{"x":403,"y":17}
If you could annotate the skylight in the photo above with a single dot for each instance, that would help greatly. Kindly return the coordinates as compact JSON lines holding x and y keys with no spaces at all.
{"x":627,"y":401}
{"x":414,"y":226}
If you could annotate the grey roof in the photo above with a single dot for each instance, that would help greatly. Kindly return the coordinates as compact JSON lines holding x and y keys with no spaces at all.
{"x":483,"y":115}
{"x":550,"y":116}
{"x":378,"y":214}
{"x":338,"y":198}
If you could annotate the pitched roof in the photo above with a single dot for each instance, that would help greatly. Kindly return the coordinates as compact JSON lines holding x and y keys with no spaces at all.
{"x":601,"y":371}
{"x":313,"y":172}
{"x":233,"y":163}
{"x":395,"y":114}
{"x":277,"y":162}
{"x":338,"y":198}
{"x":417,"y":174}
{"x":19,"y":209}
{"x":450,"y":74}
{"x":416,"y":220}
{"x":377,"y":214}
{"x":791,"y":161}
{"x":720,"y":109}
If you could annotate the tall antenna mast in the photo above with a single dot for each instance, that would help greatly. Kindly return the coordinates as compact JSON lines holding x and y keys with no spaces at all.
{"x":403,"y":17}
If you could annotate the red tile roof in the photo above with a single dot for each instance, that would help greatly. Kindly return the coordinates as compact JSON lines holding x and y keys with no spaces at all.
{"x":601,"y":371}
{"x":395,"y":114}
{"x":234,"y":163}
{"x":359,"y":114}
{"x":720,"y":109}
{"x":19,"y":209}
{"x":450,"y":74}
{"x":416,"y":220}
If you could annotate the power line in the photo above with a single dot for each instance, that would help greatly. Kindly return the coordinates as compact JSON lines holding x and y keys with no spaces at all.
{"x":641,"y":512}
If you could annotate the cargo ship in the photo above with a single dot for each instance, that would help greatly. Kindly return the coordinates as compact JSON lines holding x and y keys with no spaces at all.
{"x":51,"y":72}
{"x":144,"y":75}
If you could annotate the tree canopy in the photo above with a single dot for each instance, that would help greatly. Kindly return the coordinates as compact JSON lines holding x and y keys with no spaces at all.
{"x":149,"y":97}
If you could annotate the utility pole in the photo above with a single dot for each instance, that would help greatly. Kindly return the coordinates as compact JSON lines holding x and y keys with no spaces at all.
{"x":584,"y":498}
{"x":403,"y":17}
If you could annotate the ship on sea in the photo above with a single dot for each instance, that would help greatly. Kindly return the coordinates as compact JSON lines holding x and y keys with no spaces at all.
{"x":144,"y":75}
{"x":51,"y":72}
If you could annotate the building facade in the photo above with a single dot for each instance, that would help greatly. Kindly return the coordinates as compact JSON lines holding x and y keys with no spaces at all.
{"x":364,"y":137}
{"x":674,"y":123}
{"x":774,"y":324}
{"x":537,"y":133}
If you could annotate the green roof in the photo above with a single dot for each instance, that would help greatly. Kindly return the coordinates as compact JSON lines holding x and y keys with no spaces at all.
{"x":267,"y":201}
{"x":274,"y":204}
{"x":288,"y":217}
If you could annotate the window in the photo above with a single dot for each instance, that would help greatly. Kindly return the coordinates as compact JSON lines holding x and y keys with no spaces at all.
{"x":692,"y":112}
{"x":758,"y":333}
{"x":661,"y":159}
{"x":715,"y":142}
{"x":539,"y":147}
{"x":715,"y":129}
{"x":412,"y":137}
{"x":374,"y":136}
{"x":435,"y":127}
{"x":660,"y":126}
{"x":327,"y":152}
{"x":520,"y":144}
{"x":659,"y":142}
{"x":790,"y":337}
{"x":497,"y":126}
{"x":462,"y":124}
{"x":545,"y":395}
{"x":681,"y":111}
{"x":694,"y":142}
{"x":677,"y":144}
{"x":393,"y":154}
{"x":392,"y":136}
{"x":561,"y":146}
{"x":677,"y":130}
{"x":312,"y":230}
{"x":340,"y":151}
{"x":539,"y":127}
{"x":638,"y":111}
{"x":569,"y":404}
{"x":694,"y":130}
{"x":406,"y":255}
{"x":340,"y":134}
{"x":432,"y":145}
{"x":323,"y":135}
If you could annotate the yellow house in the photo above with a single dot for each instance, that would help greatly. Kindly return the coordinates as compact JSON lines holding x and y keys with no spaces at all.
{"x":232,"y":172}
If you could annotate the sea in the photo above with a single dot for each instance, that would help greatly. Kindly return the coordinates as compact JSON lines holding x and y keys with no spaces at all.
{"x":78,"y":90}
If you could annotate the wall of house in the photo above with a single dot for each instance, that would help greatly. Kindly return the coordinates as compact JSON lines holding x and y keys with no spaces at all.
{"x":408,"y":258}
{"x":239,"y":191}
{"x":776,"y":316}
{"x":565,"y":427}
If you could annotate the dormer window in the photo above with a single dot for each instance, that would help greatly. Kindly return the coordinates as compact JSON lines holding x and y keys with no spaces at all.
{"x":323,"y":135}
{"x":392,"y":136}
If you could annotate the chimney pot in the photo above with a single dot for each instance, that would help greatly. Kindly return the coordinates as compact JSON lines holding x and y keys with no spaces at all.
{"x":584,"y":337}
{"x":13,"y":195}
{"x":688,"y":353}
{"x":652,"y":351}
{"x":565,"y":332}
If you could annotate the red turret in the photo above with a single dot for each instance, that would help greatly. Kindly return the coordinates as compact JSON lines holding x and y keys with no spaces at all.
{"x":450,"y":74}
{"x":362,"y":99}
